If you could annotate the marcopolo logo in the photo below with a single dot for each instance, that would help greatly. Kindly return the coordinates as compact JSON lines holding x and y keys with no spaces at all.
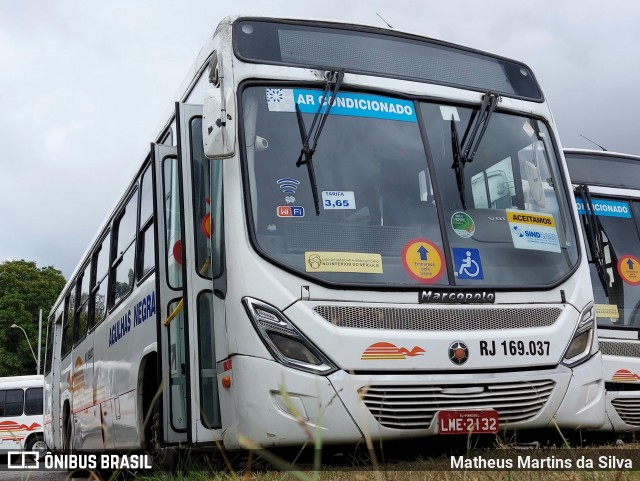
{"x":456,"y":297}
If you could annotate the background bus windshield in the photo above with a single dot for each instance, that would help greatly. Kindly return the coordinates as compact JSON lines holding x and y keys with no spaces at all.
{"x":620,"y":230}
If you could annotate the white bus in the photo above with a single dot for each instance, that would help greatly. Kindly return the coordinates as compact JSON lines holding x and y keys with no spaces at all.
{"x":404,"y":263}
{"x":608,"y":184}
{"x":21,"y":408}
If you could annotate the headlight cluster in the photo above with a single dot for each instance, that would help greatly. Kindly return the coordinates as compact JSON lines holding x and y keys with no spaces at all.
{"x":285,"y":342}
{"x":581,"y":345}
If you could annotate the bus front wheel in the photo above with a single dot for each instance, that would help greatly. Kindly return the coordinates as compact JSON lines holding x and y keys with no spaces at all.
{"x":37,"y":444}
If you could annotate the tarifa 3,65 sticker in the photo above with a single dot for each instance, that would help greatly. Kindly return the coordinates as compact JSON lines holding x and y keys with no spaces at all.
{"x":338,"y":199}
{"x":423,"y":260}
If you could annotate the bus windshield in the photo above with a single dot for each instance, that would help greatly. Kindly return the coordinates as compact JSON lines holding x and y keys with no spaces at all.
{"x":619,"y":221}
{"x":393,"y":211}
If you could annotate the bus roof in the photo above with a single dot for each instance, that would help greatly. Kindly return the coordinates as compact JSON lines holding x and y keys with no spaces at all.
{"x":604,"y":153}
{"x":34,"y":378}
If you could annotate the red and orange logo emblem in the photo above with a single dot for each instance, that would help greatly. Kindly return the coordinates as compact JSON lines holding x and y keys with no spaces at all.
{"x":623,"y":375}
{"x":385,"y":351}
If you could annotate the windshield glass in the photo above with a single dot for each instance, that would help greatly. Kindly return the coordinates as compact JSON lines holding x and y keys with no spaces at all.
{"x":379,"y":220}
{"x":514,"y":221}
{"x":620,"y":223}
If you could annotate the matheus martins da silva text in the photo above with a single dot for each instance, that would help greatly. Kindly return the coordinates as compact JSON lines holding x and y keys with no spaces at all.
{"x":547,"y":462}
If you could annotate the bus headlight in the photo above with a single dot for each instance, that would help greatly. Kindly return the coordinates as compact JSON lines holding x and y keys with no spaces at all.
{"x":580,"y":347}
{"x":285,"y":342}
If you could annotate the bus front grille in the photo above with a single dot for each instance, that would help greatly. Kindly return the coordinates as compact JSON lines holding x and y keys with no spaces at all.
{"x":628,"y":409}
{"x":620,"y":348}
{"x":414,"y":407}
{"x":439,"y":318}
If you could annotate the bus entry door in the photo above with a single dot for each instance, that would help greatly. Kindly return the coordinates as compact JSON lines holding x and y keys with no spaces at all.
{"x":202,"y":179}
{"x":172,"y":300}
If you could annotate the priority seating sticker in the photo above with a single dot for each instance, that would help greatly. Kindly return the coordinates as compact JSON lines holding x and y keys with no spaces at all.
{"x":423,"y":260}
{"x":629,"y":269}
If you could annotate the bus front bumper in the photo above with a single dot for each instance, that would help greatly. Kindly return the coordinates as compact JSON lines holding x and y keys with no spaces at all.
{"x":285,"y":407}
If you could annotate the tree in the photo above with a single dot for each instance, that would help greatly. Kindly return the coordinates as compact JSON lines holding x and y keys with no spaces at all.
{"x":24,"y":290}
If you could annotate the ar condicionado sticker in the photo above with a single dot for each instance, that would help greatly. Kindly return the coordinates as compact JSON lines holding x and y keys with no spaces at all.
{"x":629,"y":269}
{"x":422,"y":260}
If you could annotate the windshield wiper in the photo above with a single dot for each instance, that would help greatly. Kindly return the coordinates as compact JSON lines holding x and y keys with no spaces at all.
{"x":465,"y":152}
{"x":458,"y":162}
{"x":471,"y":142}
{"x":332,"y":87}
{"x":593,"y":233}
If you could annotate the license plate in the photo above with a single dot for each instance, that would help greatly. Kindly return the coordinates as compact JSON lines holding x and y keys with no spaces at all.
{"x":468,"y":422}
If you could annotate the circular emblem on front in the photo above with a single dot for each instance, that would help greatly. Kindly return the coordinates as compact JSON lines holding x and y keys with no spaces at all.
{"x":458,"y":353}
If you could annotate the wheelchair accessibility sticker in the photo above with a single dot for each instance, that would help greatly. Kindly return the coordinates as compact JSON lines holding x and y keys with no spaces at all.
{"x":467,"y":263}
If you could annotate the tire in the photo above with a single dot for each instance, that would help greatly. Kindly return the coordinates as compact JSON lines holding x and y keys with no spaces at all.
{"x":36,"y":443}
{"x":66,"y":435}
{"x":163,"y":458}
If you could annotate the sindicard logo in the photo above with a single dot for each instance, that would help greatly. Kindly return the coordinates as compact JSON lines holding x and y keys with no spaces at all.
{"x":458,"y":353}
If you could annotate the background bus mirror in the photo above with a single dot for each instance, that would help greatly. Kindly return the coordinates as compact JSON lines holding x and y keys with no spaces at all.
{"x":218,"y":124}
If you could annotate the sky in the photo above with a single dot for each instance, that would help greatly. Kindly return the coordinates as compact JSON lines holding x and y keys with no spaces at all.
{"x":84,"y":86}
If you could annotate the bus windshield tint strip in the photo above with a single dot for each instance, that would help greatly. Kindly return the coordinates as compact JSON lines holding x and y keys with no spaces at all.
{"x":603,"y":170}
{"x":385,"y":55}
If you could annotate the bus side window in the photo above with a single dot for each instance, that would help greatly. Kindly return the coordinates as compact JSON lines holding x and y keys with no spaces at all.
{"x":67,"y":329}
{"x":48,"y":356}
{"x":99,"y":284}
{"x":33,"y":401}
{"x":146,"y":247}
{"x":82,"y":303}
{"x":11,"y":402}
{"x":124,"y":236}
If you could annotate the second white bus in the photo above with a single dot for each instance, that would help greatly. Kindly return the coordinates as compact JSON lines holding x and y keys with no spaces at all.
{"x":21,"y":414}
{"x":608,"y":197}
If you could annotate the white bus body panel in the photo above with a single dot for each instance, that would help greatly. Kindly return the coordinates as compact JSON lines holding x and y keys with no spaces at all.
{"x":117,"y":368}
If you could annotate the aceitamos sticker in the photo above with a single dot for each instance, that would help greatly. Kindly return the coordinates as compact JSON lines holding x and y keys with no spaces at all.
{"x":533,"y":230}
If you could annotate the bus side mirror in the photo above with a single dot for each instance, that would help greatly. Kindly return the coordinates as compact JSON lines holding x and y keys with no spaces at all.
{"x":219,"y":123}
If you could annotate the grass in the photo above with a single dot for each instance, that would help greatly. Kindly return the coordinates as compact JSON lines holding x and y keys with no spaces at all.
{"x":398,"y":464}
{"x":408,"y":460}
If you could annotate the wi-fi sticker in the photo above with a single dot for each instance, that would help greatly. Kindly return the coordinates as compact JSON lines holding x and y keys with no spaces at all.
{"x":288,"y":186}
